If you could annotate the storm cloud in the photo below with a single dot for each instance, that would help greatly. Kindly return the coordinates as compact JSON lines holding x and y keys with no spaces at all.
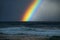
{"x":13,"y":10}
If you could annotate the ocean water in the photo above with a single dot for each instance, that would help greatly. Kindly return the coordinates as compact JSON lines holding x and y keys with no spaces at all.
{"x":30,"y":31}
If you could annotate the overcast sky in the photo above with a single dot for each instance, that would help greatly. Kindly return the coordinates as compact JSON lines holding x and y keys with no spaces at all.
{"x":49,"y":11}
{"x":12,"y":10}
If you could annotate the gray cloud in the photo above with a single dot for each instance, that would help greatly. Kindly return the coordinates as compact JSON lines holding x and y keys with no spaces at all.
{"x":49,"y":11}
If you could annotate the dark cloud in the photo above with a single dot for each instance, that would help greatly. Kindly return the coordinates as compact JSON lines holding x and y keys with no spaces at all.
{"x":12,"y":10}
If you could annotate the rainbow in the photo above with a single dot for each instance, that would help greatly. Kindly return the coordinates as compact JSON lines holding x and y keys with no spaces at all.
{"x":31,"y":10}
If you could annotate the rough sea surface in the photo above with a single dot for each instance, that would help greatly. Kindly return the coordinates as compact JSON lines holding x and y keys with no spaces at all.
{"x":30,"y":31}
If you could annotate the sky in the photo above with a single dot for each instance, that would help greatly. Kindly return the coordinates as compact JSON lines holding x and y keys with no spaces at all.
{"x":49,"y":11}
{"x":13,"y":10}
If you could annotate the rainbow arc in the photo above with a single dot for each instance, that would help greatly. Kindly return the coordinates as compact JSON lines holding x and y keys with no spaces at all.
{"x":31,"y":10}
